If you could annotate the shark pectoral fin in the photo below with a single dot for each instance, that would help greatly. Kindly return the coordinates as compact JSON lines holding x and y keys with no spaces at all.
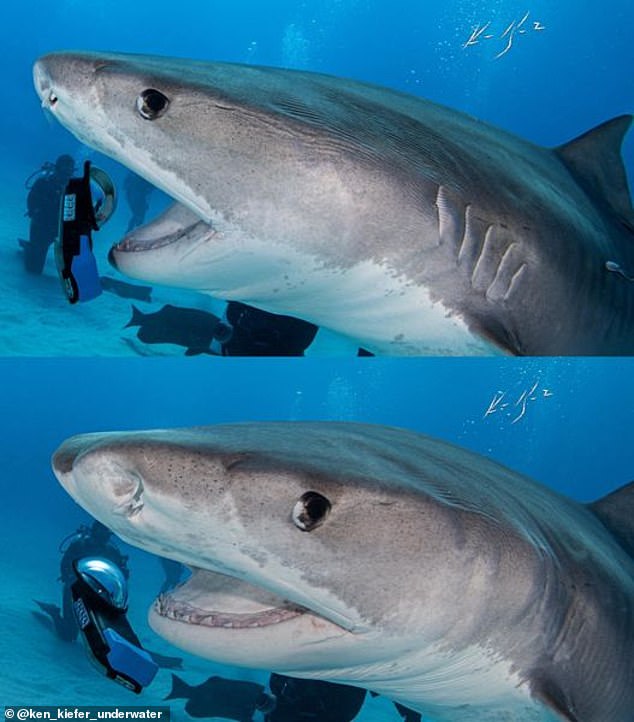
{"x":616,"y":512}
{"x":594,"y":158}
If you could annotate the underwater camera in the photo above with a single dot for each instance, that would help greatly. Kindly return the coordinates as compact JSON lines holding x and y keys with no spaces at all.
{"x":87,"y":203}
{"x":100,"y":602}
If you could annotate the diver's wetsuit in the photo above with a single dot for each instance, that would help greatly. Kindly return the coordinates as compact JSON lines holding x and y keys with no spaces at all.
{"x":43,"y":207}
{"x":312,"y":700}
{"x":259,"y":333}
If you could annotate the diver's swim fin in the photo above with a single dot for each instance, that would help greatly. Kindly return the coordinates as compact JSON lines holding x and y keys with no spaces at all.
{"x":53,"y":611}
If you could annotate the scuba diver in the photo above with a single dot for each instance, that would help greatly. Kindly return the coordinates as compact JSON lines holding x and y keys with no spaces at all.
{"x":137,"y":193}
{"x":43,"y":206}
{"x":65,"y":210}
{"x":260,"y":333}
{"x":85,"y":542}
{"x":94,"y":570}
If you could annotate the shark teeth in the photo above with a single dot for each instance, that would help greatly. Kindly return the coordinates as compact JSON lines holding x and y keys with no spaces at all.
{"x":129,"y":244}
{"x":176,"y":223}
{"x":171,"y":608}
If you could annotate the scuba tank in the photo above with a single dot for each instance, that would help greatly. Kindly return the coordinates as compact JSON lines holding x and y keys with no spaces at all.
{"x":47,"y":169}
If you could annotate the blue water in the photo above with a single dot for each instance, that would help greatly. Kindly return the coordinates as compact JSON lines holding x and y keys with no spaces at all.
{"x":566,"y":423}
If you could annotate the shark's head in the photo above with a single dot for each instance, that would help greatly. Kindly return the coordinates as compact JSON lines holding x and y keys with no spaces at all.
{"x":293,"y":193}
{"x":284,"y":547}
{"x":245,"y":149}
{"x":186,"y":128}
{"x":327,"y":550}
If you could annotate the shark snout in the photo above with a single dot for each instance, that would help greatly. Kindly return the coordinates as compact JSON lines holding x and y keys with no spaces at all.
{"x":64,"y":457}
{"x":102,"y":482}
{"x":42,"y":81}
{"x":64,"y":82}
{"x":52,"y":73}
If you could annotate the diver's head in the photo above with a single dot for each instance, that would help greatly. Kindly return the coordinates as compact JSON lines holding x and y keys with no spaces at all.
{"x":65,"y":166}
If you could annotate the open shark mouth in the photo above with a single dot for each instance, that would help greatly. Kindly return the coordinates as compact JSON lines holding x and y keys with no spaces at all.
{"x":167,"y":606}
{"x":175,"y":224}
{"x":206,"y":598}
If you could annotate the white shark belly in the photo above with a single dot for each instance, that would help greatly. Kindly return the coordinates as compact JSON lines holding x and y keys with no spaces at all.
{"x":370,"y":302}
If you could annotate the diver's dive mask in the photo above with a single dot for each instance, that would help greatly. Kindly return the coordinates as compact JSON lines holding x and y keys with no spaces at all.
{"x":87,"y":203}
{"x":100,"y":602}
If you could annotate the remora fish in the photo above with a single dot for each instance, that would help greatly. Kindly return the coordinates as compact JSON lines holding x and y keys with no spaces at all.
{"x":380,"y":558}
{"x":409,"y":227}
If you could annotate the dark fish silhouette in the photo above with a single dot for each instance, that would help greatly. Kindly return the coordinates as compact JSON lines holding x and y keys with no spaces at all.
{"x":219,"y":697}
{"x":188,"y":327}
{"x":126,"y":290}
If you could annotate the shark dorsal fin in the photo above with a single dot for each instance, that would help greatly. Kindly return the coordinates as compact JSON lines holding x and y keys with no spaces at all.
{"x":616,"y":512}
{"x":594,"y":158}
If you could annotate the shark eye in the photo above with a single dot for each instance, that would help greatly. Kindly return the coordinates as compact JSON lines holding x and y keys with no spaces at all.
{"x":310,"y":511}
{"x":151,"y":104}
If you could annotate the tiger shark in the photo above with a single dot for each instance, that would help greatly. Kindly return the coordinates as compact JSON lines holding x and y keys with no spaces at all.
{"x":406,"y":226}
{"x":380,"y":558}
